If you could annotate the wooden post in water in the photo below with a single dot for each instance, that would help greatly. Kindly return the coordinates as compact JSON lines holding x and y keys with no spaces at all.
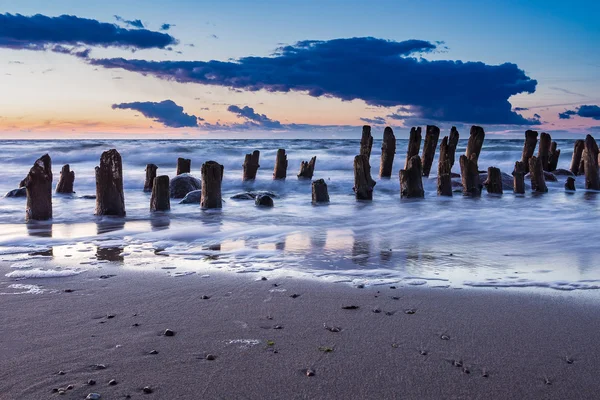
{"x":212,"y":175}
{"x":448,"y":148}
{"x":554,"y":155}
{"x":307,"y":169}
{"x":281,"y":164}
{"x":470,"y":174}
{"x":476,"y":137}
{"x":590,"y":162}
{"x":363,"y":183}
{"x":576,"y":159}
{"x":319,"y":191}
{"x":150,"y":175}
{"x":444,"y":180}
{"x":161,"y":197}
{"x":366,"y":142}
{"x":411,"y":179}
{"x":184,"y":166}
{"x":570,"y":183}
{"x":544,"y":150}
{"x":414,"y":144}
{"x":493,"y":182}
{"x":66,"y":180}
{"x":536,"y":172}
{"x":110,"y":199}
{"x":519,"y":178}
{"x":528,"y":148}
{"x":432,"y":135}
{"x":388,"y":150}
{"x":251,"y":166}
{"x":38,"y":184}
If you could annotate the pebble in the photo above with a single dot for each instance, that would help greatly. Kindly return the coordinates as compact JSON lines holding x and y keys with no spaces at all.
{"x":263,"y":278}
{"x":147,"y":390}
{"x":392,"y":287}
{"x":211,"y":357}
{"x":444,"y":337}
{"x":112,"y":382}
{"x":110,"y":316}
{"x":91,"y":382}
{"x":293,"y":296}
{"x":350,"y":307}
{"x":278,"y":327}
{"x":93,"y":396}
{"x":136,"y":324}
{"x":169,"y":332}
{"x":62,"y":391}
{"x":61,"y":372}
{"x":423,"y":352}
{"x":69,"y":290}
{"x":205,"y":297}
{"x":99,"y":366}
{"x":310,"y":372}
{"x":376,"y":310}
{"x":153,"y":352}
{"x":410,"y":311}
{"x":360,"y":286}
{"x":70,"y":387}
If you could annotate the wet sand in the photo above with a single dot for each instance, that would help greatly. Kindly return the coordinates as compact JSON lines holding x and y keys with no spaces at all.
{"x":237,"y":337}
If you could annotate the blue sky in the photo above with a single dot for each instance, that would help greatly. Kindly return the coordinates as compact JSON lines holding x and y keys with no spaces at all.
{"x":554,"y":43}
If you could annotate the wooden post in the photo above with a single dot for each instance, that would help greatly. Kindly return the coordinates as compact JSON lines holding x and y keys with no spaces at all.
{"x":366,"y":142}
{"x":307,"y":169}
{"x":150,"y":175}
{"x":319,"y":191}
{"x":470,"y":174}
{"x":444,"y":180}
{"x":414,"y":144}
{"x":212,"y":175}
{"x":66,"y":180}
{"x":570,"y":183}
{"x":161,"y":198}
{"x":411,"y":179}
{"x":38,"y":184}
{"x":590,"y":161}
{"x":493,"y":182}
{"x":432,"y":135}
{"x":553,"y":159}
{"x":528,"y":148}
{"x":448,"y":149}
{"x":363,"y":183}
{"x":110,"y":199}
{"x":576,"y":160}
{"x":251,"y":166}
{"x":519,"y":178}
{"x":536,"y":172}
{"x":184,"y":166}
{"x":281,"y":164}
{"x":544,"y":150}
{"x":476,"y":137}
{"x":388,"y":150}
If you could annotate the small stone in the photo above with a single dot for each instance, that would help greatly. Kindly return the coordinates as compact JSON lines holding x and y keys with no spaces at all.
{"x":360,"y":286}
{"x":444,"y":337}
{"x":263,"y":278}
{"x":390,"y":313}
{"x":293,"y":296}
{"x":205,"y":297}
{"x":54,"y":390}
{"x":99,"y":366}
{"x":423,"y":352}
{"x":147,"y":389}
{"x":110,"y":316}
{"x":376,"y":310}
{"x":466,"y":370}
{"x":350,"y":307}
{"x":62,"y":391}
{"x":61,"y":372}
{"x":211,"y":357}
{"x":136,"y":324}
{"x":127,"y":396}
{"x":68,"y":290}
{"x":457,"y":363}
{"x":112,"y":382}
{"x":93,"y":396}
{"x":392,"y":287}
{"x":169,"y":332}
{"x":410,"y":311}
{"x":70,"y":387}
{"x":153,"y":352}
{"x":278,"y":327}
{"x":310,"y":372}
{"x":91,"y":382}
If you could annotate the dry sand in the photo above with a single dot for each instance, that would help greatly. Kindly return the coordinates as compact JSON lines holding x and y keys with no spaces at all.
{"x":458,"y":344}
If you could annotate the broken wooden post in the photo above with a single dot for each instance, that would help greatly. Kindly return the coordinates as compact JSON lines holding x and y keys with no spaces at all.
{"x":570,"y":183}
{"x":444,"y":180}
{"x":536,"y":172}
{"x":476,"y":137}
{"x":150,"y":175}
{"x":469,"y":173}
{"x":432,"y":135}
{"x":448,"y":149}
{"x":212,"y":175}
{"x":493,"y":182}
{"x":110,"y":199}
{"x":519,"y":177}
{"x":38,"y":184}
{"x":66,"y":180}
{"x":388,"y":150}
{"x":319,"y":191}
{"x":528,"y":148}
{"x":251,"y":166}
{"x":366,"y":142}
{"x":184,"y":166}
{"x":307,"y":169}
{"x":544,"y":150}
{"x":411,"y":179}
{"x":576,"y":159}
{"x":554,"y":156}
{"x":414,"y":144}
{"x":590,"y":162}
{"x":363,"y":183}
{"x":281,"y":164}
{"x":161,"y":196}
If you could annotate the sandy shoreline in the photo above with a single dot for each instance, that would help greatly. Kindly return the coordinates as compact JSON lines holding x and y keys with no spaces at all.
{"x":526,"y":345}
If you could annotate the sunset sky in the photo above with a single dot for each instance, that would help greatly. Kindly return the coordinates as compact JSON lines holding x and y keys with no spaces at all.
{"x":308,"y":68}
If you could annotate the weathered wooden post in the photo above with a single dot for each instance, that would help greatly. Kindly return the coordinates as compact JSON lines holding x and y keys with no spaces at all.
{"x":184,"y":166}
{"x":110,"y":199}
{"x":444,"y":180}
{"x":212,"y":175}
{"x":366,"y":142}
{"x":363,"y":183}
{"x":414,"y":144}
{"x":319,"y":191}
{"x":281,"y":164}
{"x":476,"y":137}
{"x":576,"y":159}
{"x":432,"y":135}
{"x":536,"y":172}
{"x":307,"y":169}
{"x":161,"y":197}
{"x":470,"y":174}
{"x":493,"y":182}
{"x":38,"y":184}
{"x":519,"y":177}
{"x":553,"y":159}
{"x":590,"y":162}
{"x":528,"y":148}
{"x":251,"y":166}
{"x":411,"y":179}
{"x":448,"y":149}
{"x":544,"y":150}
{"x":150,"y":175}
{"x":388,"y":150}
{"x":66,"y":180}
{"x":570,"y":183}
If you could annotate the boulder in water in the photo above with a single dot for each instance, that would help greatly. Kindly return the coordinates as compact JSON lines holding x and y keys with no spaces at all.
{"x":20,"y":192}
{"x":192,"y":197}
{"x":263,"y":200}
{"x":507,"y":180}
{"x":253,"y":195}
{"x":548,"y":176}
{"x":562,"y":172}
{"x":182,"y":184}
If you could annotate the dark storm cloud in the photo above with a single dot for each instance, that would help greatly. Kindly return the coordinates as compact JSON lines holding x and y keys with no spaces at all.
{"x":260,"y":120}
{"x":585,"y":111}
{"x":166,"y":112}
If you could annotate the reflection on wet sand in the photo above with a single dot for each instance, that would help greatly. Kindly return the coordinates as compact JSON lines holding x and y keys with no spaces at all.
{"x":109,"y":253}
{"x":160,"y":221}
{"x":107,"y":225}
{"x":39,"y":229}
{"x":361,"y":249}
{"x":112,"y":253}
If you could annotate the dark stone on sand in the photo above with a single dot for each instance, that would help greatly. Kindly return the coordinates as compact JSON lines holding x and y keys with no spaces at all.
{"x":169,"y":332}
{"x":263,"y":200}
{"x":147,"y":390}
{"x":136,"y":324}
{"x":68,"y":290}
{"x":112,"y":382}
{"x":444,"y":336}
{"x":205,"y":297}
{"x":350,"y":307}
{"x":263,"y":278}
{"x":153,"y":352}
{"x":183,"y":184}
{"x":410,"y":311}
{"x":99,"y":366}
{"x":211,"y":357}
{"x":310,"y":372}
{"x":20,"y":192}
{"x":110,"y":316}
{"x":70,"y":387}
{"x":376,"y":310}
{"x":334,"y":329}
{"x":61,"y":372}
{"x":91,"y":382}
{"x":392,"y":287}
{"x":278,"y":327}
{"x":93,"y":396}
{"x":293,"y":296}
{"x":106,"y":276}
{"x":423,"y":352}
{"x":360,"y":286}
{"x":192,"y":197}
{"x":252,"y":195}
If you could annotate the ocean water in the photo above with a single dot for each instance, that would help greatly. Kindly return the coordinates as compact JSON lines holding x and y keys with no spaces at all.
{"x":530,"y":241}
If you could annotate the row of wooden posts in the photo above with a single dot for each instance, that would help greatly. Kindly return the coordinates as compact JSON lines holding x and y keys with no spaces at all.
{"x":110,"y":198}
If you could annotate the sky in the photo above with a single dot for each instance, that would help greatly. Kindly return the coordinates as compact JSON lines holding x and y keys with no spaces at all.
{"x":313,"y":68}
